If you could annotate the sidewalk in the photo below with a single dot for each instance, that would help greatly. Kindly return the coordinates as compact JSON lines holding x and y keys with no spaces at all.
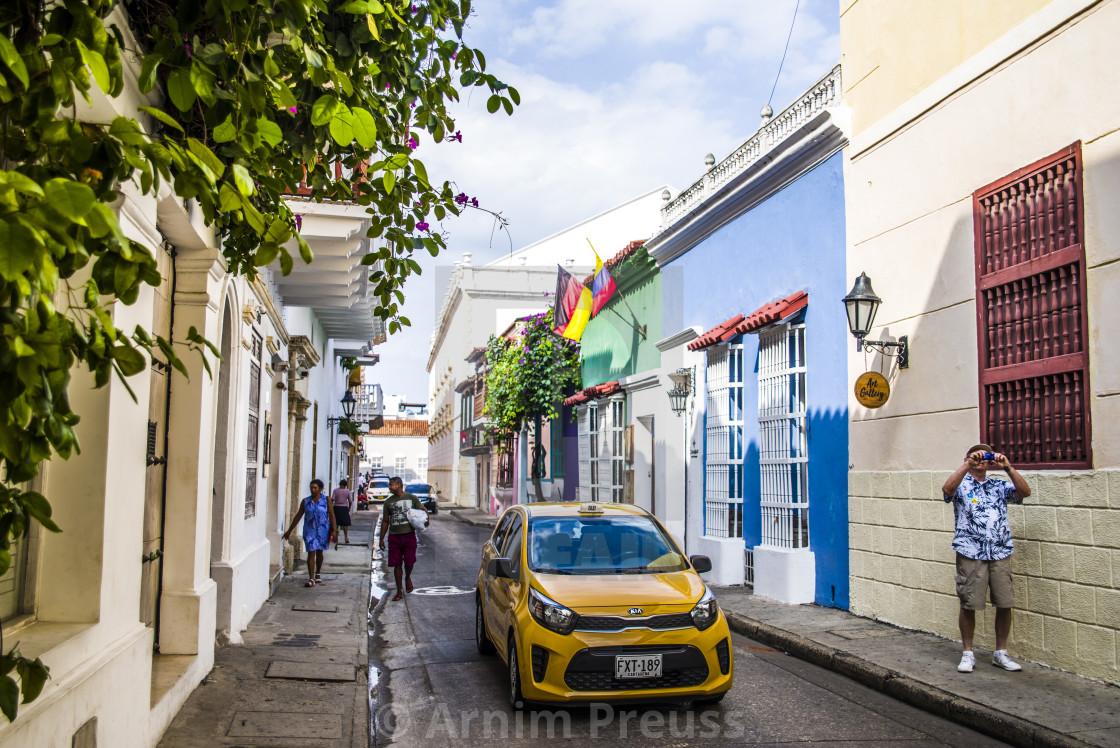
{"x":1036,"y":707}
{"x":473,"y":516}
{"x":301,"y":675}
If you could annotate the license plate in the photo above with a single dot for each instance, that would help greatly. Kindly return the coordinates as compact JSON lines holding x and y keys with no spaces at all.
{"x":637,"y":666}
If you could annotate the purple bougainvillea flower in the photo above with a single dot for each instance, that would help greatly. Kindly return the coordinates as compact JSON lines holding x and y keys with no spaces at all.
{"x":474,"y":202}
{"x":462,"y":198}
{"x":422,"y":226}
{"x":188,"y":48}
{"x":415,"y":10}
{"x":293,"y":109}
{"x":299,"y":222}
{"x":412,"y":105}
{"x":387,"y":86}
{"x":457,"y":136}
{"x":413,"y":144}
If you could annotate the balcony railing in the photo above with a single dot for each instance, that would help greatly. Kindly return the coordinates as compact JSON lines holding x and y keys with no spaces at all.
{"x":370,"y":408}
{"x":474,"y":441}
{"x":340,"y":172}
{"x":825,"y":93}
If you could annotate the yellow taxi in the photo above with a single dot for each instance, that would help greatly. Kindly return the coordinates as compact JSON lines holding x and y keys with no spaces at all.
{"x":595,"y":602}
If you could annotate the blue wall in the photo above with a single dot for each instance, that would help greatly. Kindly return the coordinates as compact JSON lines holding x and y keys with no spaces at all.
{"x":793,"y":240}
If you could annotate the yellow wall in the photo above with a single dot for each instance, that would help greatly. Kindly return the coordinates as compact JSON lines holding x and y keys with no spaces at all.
{"x":893,"y":49}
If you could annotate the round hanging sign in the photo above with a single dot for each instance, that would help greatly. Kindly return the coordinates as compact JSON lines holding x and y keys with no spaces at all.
{"x":872,"y":390}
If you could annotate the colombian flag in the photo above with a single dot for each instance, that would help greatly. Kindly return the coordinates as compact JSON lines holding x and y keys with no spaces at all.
{"x":573,"y":306}
{"x":602,"y":286}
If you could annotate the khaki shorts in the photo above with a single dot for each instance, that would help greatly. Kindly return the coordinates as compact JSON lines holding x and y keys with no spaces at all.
{"x":976,"y":577}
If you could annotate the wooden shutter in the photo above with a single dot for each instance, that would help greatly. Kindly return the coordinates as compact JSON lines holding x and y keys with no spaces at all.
{"x":1032,"y":317}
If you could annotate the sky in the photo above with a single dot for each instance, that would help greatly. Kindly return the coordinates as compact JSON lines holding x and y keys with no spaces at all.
{"x":618,"y":97}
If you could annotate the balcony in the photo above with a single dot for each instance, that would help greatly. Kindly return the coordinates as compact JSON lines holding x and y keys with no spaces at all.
{"x":474,"y":441}
{"x":370,"y":408}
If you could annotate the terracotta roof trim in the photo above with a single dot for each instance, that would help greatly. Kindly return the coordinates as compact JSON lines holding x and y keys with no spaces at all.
{"x":622,"y":256}
{"x":767,"y":314}
{"x":594,"y":393}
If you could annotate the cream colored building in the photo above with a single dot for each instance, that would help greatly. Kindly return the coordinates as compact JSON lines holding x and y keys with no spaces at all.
{"x":173,"y":511}
{"x":984,"y":164}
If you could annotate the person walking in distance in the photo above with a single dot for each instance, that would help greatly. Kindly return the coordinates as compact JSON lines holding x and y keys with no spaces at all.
{"x":402,"y":538}
{"x":342,"y":502}
{"x":982,"y":540}
{"x":318,"y":530}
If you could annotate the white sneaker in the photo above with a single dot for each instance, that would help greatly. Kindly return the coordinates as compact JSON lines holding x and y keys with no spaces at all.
{"x":968,"y":662}
{"x":1000,"y":658}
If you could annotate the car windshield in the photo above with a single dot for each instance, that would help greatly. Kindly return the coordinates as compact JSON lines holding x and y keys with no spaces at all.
{"x":417,"y":488}
{"x":381,"y":482}
{"x":601,"y":545}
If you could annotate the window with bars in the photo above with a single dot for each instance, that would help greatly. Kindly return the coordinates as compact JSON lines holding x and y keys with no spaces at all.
{"x":783,"y":436}
{"x":602,"y":434}
{"x":723,"y":424}
{"x":504,"y":477}
{"x":1032,"y":316}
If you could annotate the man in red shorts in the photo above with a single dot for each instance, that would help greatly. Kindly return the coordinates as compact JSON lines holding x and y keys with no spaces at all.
{"x":402,"y":538}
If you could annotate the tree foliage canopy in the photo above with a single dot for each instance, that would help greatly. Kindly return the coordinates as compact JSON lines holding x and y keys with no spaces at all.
{"x":240,"y":102}
{"x":528,"y":376}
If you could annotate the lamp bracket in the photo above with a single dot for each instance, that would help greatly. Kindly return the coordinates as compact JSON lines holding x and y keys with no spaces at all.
{"x":899,"y":349}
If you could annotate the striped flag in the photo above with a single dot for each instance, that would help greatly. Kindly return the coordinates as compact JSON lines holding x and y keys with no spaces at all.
{"x":573,"y":306}
{"x":602,"y":285}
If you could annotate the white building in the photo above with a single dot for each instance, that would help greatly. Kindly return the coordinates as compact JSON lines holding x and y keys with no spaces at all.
{"x":484,"y":300}
{"x":399,"y":448}
{"x":173,"y":511}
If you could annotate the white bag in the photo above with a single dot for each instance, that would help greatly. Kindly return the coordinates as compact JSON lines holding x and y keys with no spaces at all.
{"x":418,"y":518}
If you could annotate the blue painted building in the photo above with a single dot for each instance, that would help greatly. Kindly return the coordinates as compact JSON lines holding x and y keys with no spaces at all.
{"x":758,"y":246}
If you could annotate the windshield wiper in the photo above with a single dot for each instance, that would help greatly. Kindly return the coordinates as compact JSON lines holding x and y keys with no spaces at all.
{"x":551,"y":571}
{"x":624,"y":570}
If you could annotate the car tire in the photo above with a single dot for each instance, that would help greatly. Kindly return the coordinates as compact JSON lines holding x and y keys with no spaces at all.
{"x":481,"y":638}
{"x":435,"y":509}
{"x":513,"y":672}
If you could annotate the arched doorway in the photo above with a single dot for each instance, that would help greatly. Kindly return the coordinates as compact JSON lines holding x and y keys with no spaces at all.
{"x":221,"y":518}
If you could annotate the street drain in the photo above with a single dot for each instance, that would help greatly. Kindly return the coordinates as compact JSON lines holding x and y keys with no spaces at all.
{"x":335,"y":672}
{"x":296,"y":640}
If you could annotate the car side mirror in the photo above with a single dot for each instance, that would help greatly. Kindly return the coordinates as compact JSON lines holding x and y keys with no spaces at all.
{"x":501,"y":568}
{"x":700,"y":563}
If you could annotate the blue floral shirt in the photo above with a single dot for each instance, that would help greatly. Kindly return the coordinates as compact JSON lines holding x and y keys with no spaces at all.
{"x":980,"y":510}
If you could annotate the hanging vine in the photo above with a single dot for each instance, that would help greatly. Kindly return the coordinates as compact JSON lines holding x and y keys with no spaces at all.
{"x":235,"y":104}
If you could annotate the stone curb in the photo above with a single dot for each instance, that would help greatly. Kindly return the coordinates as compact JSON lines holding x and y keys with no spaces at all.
{"x":976,"y":716}
{"x":466,"y":517}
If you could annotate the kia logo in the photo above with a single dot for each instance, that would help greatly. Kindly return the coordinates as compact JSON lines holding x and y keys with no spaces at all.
{"x":635,"y":611}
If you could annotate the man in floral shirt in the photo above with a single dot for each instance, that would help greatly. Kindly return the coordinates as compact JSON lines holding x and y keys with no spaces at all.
{"x":983,"y":544}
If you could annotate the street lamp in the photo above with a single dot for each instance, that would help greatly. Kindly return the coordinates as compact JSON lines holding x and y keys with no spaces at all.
{"x":348,"y":402}
{"x":682,"y":388}
{"x":861,"y":304}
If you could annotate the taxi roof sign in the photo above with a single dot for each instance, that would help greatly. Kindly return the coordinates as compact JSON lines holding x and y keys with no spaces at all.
{"x":590,"y":509}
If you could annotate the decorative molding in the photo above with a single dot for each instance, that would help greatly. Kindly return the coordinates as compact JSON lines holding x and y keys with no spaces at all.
{"x":265,"y":296}
{"x":821,"y":95}
{"x":801,"y":151}
{"x":677,"y":339}
{"x":643,"y":381}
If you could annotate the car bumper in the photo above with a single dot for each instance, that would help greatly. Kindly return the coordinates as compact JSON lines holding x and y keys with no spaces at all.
{"x":579,"y":667}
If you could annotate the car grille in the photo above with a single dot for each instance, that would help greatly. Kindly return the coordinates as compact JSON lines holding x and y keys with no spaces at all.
{"x":723,"y":654}
{"x":618,"y":623}
{"x":593,"y":669}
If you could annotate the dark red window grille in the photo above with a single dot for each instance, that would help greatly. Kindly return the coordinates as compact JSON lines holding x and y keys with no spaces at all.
{"x":1030,"y":291}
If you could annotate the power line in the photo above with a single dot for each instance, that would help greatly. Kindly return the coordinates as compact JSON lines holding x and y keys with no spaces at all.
{"x":784,"y":51}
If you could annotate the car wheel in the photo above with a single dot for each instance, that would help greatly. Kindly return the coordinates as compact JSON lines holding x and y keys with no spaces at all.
{"x":481,"y":638}
{"x":435,"y":509}
{"x":516,"y":700}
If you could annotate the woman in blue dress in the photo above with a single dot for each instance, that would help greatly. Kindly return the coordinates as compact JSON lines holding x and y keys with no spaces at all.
{"x":318,"y":529}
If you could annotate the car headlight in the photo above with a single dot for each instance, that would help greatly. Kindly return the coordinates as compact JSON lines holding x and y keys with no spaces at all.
{"x":706,"y":611}
{"x":551,"y":614}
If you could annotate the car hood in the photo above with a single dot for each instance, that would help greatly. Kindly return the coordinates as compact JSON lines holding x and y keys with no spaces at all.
{"x":618,"y":592}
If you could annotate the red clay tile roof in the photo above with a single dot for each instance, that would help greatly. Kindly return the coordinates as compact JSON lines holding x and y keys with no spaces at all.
{"x":402,"y":427}
{"x":765,"y":315}
{"x":618,"y":259}
{"x":593,"y":393}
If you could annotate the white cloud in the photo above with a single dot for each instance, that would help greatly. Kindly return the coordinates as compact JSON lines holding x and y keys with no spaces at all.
{"x":618,"y":97}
